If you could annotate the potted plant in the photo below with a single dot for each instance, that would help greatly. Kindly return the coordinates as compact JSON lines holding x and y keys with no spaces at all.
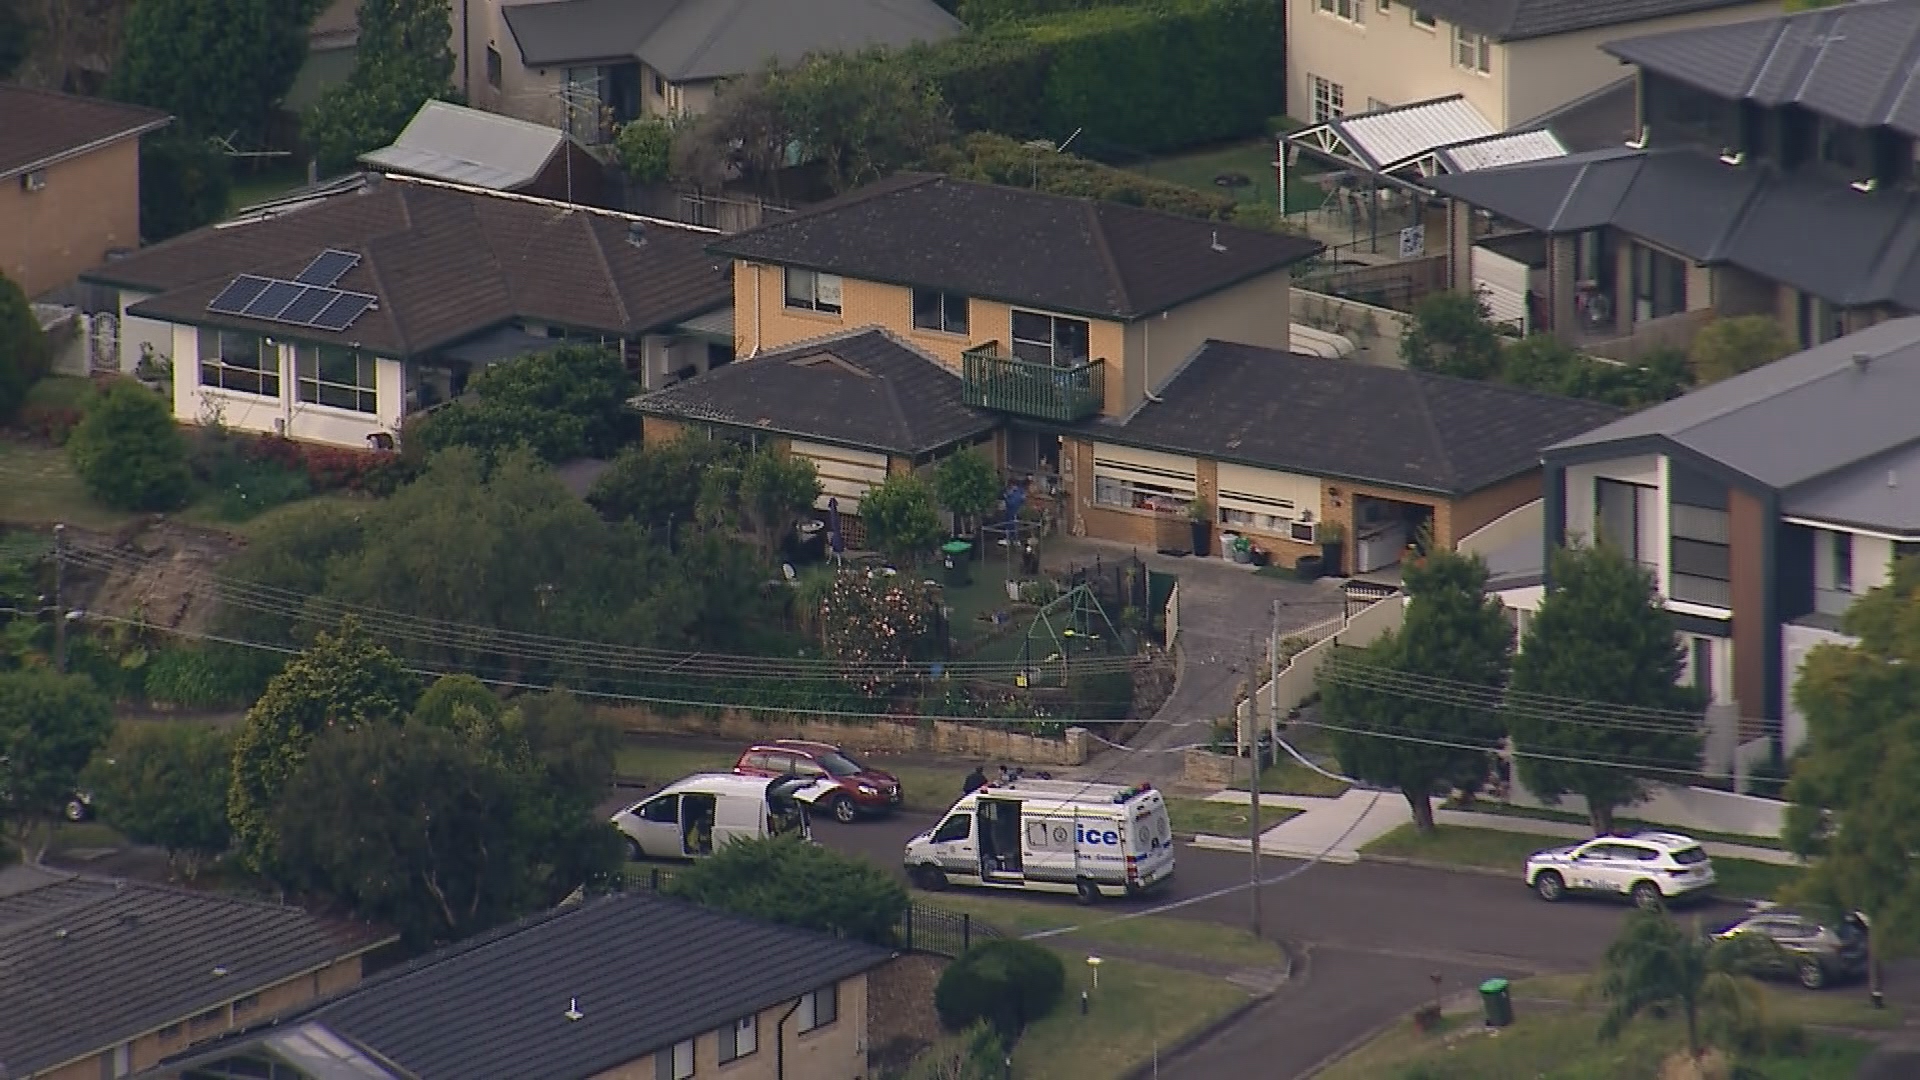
{"x":1332,"y":534}
{"x":1200,"y":514}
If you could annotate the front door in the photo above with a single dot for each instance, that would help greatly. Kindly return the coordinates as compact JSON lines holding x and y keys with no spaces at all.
{"x":1000,"y":839}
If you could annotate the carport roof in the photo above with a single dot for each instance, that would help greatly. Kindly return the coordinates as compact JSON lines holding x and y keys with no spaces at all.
{"x":1390,"y":140}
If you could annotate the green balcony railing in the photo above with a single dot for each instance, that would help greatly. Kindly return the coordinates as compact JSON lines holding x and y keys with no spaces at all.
{"x":1043,"y":391}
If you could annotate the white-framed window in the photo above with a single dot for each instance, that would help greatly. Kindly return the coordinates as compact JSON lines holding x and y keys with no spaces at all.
{"x":337,"y":377}
{"x":675,"y":1062}
{"x":818,"y":1009}
{"x":1424,"y":20}
{"x":1384,"y":6}
{"x":1329,"y":99}
{"x":1128,"y":494}
{"x":945,"y":312}
{"x":810,"y":290}
{"x":238,"y":361}
{"x":740,"y":1038}
{"x":1472,"y":51}
{"x":1050,"y":339}
{"x":1353,"y":11}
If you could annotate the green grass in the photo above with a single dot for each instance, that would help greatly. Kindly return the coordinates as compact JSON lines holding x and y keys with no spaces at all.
{"x":1508,"y":851}
{"x":1153,"y":933}
{"x":1138,"y":1007}
{"x":986,"y":595}
{"x":1547,"y":813}
{"x":928,"y":788}
{"x":204,"y":514}
{"x":1784,"y":1003}
{"x":1252,"y":159}
{"x":252,"y":187}
{"x":1288,"y":777}
{"x":1563,"y":1044}
{"x":39,"y":487}
{"x":1220,"y":818}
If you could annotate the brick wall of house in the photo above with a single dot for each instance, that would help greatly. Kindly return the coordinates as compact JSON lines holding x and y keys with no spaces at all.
{"x":655,"y":431}
{"x":91,"y":204}
{"x":1139,"y":528}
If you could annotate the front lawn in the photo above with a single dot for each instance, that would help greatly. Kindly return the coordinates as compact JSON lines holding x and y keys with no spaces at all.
{"x":1253,"y":159}
{"x":1150,"y":933}
{"x":1288,"y":777}
{"x":1548,"y":813}
{"x":39,"y":487}
{"x":1221,"y":818}
{"x":1139,"y":1010}
{"x":1508,"y":851}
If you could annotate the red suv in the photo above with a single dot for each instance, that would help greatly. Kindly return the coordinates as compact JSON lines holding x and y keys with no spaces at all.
{"x":862,"y":790}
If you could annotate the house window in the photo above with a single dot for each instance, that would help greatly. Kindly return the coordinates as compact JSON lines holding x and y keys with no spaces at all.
{"x":810,"y":290}
{"x":740,"y":1038}
{"x":336,"y":376}
{"x":818,"y":1009}
{"x":170,"y":1033}
{"x":942,"y":311}
{"x":1050,"y":339}
{"x":659,"y":85}
{"x":1623,"y":517}
{"x":1702,"y":564}
{"x":1329,"y":100}
{"x":1139,"y":495}
{"x":675,"y":1062}
{"x":1032,"y":452}
{"x":1659,"y":284}
{"x":1350,"y":10}
{"x":1472,"y":51}
{"x":207,"y":1021}
{"x":117,"y":1064}
{"x":245,"y":1005}
{"x":1424,"y":20}
{"x":1818,"y":321}
{"x":1384,"y":6}
{"x":1841,"y":563}
{"x":232,"y":360}
{"x":1702,"y":662}
{"x":493,"y":67}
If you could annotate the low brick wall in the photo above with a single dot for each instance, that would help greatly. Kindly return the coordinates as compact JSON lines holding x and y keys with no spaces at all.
{"x":1204,"y":768}
{"x":926,"y":736}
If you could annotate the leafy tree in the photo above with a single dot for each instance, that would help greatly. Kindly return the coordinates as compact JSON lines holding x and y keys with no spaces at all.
{"x":166,"y":785}
{"x":17,"y":33}
{"x":184,"y":183}
{"x":1656,"y":965}
{"x":1454,"y":632}
{"x":973,"y":1054}
{"x":291,"y":551}
{"x":645,"y":147}
{"x":128,"y":451}
{"x":861,"y":116}
{"x":566,"y":403}
{"x":968,"y":485}
{"x":1854,"y":803}
{"x":23,"y":347}
{"x":775,"y":489}
{"x":1451,"y":335}
{"x":744,"y":132}
{"x":50,"y":726}
{"x":786,"y":880}
{"x":344,"y":681}
{"x":221,"y":66}
{"x":1726,"y":347}
{"x":1605,"y":649}
{"x":1009,"y":983}
{"x":900,"y":517}
{"x":402,"y":62}
{"x":657,"y":483}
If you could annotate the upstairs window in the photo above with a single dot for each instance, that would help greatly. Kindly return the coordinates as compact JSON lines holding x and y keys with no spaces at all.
{"x":1424,"y":20}
{"x":1354,"y":11}
{"x":1050,"y":339}
{"x":1472,"y":51}
{"x":809,"y":290}
{"x":945,"y":312}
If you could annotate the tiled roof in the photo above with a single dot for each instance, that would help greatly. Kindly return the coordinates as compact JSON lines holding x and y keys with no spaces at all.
{"x":100,"y":962}
{"x":865,"y":389}
{"x":1358,"y":422}
{"x":1018,"y":246}
{"x":639,"y":972}
{"x":1857,"y":63}
{"x":446,"y":264}
{"x":39,"y":127}
{"x":1517,"y":20}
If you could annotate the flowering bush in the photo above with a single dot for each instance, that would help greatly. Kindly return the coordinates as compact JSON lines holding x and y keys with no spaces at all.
{"x":328,"y":468}
{"x":878,"y":622}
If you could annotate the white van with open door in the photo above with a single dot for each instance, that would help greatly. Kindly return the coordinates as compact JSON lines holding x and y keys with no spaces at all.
{"x":696,"y":815}
{"x":1049,"y":835}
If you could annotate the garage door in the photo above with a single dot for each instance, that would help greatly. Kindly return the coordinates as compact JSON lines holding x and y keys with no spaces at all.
{"x":844,"y":474}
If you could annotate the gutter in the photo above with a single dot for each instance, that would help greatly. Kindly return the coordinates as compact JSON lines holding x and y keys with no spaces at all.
{"x":780,"y":1040}
{"x":87,"y":148}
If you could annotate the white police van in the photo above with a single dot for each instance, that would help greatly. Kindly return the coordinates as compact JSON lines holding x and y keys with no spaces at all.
{"x":1049,"y":835}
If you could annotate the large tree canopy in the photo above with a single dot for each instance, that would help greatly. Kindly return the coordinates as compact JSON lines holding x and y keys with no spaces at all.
{"x":566,"y":403}
{"x":166,"y":785}
{"x":221,"y":66}
{"x":1596,"y":707}
{"x":403,"y":61}
{"x":50,"y":725}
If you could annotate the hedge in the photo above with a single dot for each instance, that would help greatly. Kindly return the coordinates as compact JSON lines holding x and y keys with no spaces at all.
{"x":996,"y":159}
{"x":1150,"y":78}
{"x":1009,"y":983}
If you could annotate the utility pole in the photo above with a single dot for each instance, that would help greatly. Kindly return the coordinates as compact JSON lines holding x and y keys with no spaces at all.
{"x":59,"y":599}
{"x":1253,"y":782}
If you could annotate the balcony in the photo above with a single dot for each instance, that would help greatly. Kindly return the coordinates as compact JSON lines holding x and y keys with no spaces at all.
{"x":990,"y":380}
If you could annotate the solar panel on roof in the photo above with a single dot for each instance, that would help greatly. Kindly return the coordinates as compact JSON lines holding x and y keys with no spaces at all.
{"x":328,"y":268}
{"x":311,"y":303}
{"x":343,"y":311}
{"x":236,"y":296}
{"x":273,"y":300}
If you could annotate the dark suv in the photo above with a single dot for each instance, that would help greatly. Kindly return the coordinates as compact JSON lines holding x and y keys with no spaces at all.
{"x":1814,"y":951}
{"x":862,"y":790}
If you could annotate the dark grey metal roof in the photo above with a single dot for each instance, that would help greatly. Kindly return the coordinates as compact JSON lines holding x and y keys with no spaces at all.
{"x":694,"y":40}
{"x":1361,"y":422}
{"x":1859,"y":410}
{"x":1019,"y":246}
{"x":1880,"y":492}
{"x":1857,"y":63}
{"x":1517,"y":20}
{"x":103,"y":962}
{"x":1602,"y":120}
{"x":865,"y":389}
{"x":1821,"y":237}
{"x":642,"y":973}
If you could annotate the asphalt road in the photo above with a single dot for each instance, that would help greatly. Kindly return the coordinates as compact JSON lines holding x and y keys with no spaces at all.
{"x":1372,"y":936}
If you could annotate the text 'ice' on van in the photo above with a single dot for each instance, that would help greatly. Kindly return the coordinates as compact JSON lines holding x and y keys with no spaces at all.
{"x":1049,"y":835}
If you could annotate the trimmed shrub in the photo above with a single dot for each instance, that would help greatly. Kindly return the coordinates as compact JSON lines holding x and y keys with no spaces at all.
{"x":996,"y":159}
{"x":1009,"y":983}
{"x":128,"y":452}
{"x":211,"y":677}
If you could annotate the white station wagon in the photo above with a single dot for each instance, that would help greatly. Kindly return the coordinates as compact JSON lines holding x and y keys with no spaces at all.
{"x":1651,"y":868}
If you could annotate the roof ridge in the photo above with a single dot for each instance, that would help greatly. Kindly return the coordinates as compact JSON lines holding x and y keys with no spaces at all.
{"x":1433,"y":428}
{"x":1106,"y":253}
{"x":606,"y":266}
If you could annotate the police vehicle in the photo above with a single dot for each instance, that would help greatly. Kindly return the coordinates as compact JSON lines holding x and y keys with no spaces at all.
{"x":1093,"y":840}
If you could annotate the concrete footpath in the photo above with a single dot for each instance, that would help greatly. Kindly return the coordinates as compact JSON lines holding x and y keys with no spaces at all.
{"x":1336,"y":829}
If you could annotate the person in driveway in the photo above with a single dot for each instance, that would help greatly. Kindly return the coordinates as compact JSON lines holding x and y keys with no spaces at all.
{"x":976,"y":780}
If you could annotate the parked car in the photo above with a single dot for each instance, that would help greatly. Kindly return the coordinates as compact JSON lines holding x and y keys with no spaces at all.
{"x":1651,"y":868}
{"x":1815,"y":951}
{"x":863,"y":790}
{"x":697,"y":815}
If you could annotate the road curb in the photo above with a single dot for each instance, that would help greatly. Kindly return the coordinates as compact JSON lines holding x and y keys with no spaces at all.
{"x":1220,"y":1024}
